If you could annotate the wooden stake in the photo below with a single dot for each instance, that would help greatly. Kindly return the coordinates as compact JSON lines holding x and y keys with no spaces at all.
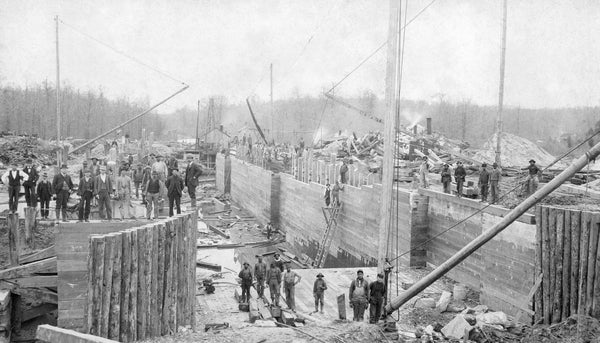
{"x":538,"y":262}
{"x":556,"y":316}
{"x":115,"y":297}
{"x":13,"y":238}
{"x":546,"y":264}
{"x":596,"y":293}
{"x":575,"y":243}
{"x":566,"y":265}
{"x":193,"y":227}
{"x":166,"y":327}
{"x":30,"y":226}
{"x":583,"y":261}
{"x":552,"y":258}
{"x":593,"y":249}
{"x":125,"y":284}
{"x":160,"y":277}
{"x":154,"y":317}
{"x":142,"y":286}
{"x":98,"y":279}
{"x":133,"y":287}
{"x":109,"y":242}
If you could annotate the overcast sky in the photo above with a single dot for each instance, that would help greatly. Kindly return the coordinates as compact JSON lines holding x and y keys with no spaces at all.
{"x":225,"y":47}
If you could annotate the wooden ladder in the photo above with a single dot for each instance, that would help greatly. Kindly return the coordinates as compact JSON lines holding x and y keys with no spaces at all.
{"x":330,"y":214}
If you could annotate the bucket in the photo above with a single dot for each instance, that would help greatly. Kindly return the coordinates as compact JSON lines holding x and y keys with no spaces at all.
{"x":459,"y":292}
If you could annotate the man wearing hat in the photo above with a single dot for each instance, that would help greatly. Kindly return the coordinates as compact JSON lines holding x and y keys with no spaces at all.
{"x":62,"y":186}
{"x":327,"y":195}
{"x":260,"y":271}
{"x":246,"y":276}
{"x":29,"y":185}
{"x":192,"y":173}
{"x":359,"y":296}
{"x":483,"y":184}
{"x":86,"y":193}
{"x":495,"y":176}
{"x":84,"y":167}
{"x":423,"y":172}
{"x":377,"y":291}
{"x":533,"y":177}
{"x":274,"y":282}
{"x":319,"y":288}
{"x":459,"y":177}
{"x":446,"y":178}
{"x":13,"y":178}
{"x":44,"y":193}
{"x":278,"y":262}
{"x":95,"y":167}
{"x":103,"y":188}
{"x":152,"y":193}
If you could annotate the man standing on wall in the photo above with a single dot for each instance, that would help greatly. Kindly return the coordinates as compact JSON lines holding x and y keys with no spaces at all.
{"x":260,"y":271}
{"x":153,"y":193}
{"x":495,"y":177}
{"x":13,"y":178}
{"x":484,"y":179}
{"x":174,"y":187}
{"x":102,"y":189}
{"x":86,"y":193}
{"x":29,"y":185}
{"x":44,"y":193}
{"x":359,"y":296}
{"x":459,"y":176}
{"x":192,"y":173}
{"x":290,"y":279}
{"x":274,"y":281}
{"x":246,"y":276}
{"x":62,"y":186}
{"x":446,"y":178}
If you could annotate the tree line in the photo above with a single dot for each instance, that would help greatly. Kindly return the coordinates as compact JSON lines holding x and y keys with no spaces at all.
{"x":85,"y":114}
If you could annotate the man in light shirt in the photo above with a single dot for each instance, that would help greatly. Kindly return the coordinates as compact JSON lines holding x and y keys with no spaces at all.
{"x":13,"y":178}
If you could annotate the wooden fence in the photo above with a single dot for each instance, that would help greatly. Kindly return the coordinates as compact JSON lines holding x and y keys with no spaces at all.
{"x":568,"y":258}
{"x":142,"y":280}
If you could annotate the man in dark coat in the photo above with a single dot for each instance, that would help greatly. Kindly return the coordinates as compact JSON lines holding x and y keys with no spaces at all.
{"x":44,"y":193}
{"x":377,"y":292}
{"x":174,"y":186}
{"x":446,"y":178}
{"x":484,"y":180}
{"x":260,"y":272}
{"x":62,"y":186}
{"x":103,"y":188}
{"x":86,"y":192}
{"x":359,"y":296}
{"x":246,"y":276}
{"x":192,"y":173}
{"x":459,"y":176}
{"x":172,"y":165}
{"x":29,"y":185}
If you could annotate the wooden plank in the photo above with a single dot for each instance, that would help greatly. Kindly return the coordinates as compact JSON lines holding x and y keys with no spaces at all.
{"x":558,"y":257}
{"x":125,"y":284}
{"x":160,"y":277}
{"x":115,"y":297}
{"x":95,"y":278}
{"x":53,"y":334}
{"x":16,"y":316}
{"x":193,"y":228}
{"x":109,"y":244}
{"x":142,"y":286}
{"x":30,"y":226}
{"x":552,"y":257}
{"x":596,"y":294}
{"x":341,"y":305}
{"x":38,"y":255}
{"x":36,"y":281}
{"x":538,"y":263}
{"x":12,"y":220}
{"x":40,"y":294}
{"x":593,"y":249}
{"x":133,"y":287}
{"x":533,"y":290}
{"x":38,"y":311}
{"x":546,"y":264}
{"x":218,"y":231}
{"x":166,"y":328}
{"x":575,"y":243}
{"x":173,"y":323}
{"x":148,"y":274}
{"x":181,"y":272}
{"x":154,"y":317}
{"x":583,"y":261}
{"x":566,"y":266}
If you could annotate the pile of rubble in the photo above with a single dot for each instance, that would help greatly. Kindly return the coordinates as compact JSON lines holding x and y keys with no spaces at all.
{"x":18,"y":149}
{"x":515,"y":152}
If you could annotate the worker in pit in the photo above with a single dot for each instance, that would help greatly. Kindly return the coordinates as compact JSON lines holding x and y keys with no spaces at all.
{"x":274,"y":282}
{"x":495,"y":176}
{"x":327,"y":195}
{"x":459,"y":177}
{"x":335,"y":193}
{"x":278,"y":262}
{"x":260,"y":272}
{"x":192,"y":173}
{"x":484,"y":180}
{"x":377,"y":292}
{"x":344,"y":172}
{"x":533,"y":179}
{"x":446,"y":178}
{"x":319,"y":288}
{"x":246,"y":276}
{"x":359,"y":296}
{"x":290,"y":280}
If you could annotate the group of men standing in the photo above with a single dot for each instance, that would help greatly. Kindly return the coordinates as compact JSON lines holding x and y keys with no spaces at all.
{"x":362,"y":294}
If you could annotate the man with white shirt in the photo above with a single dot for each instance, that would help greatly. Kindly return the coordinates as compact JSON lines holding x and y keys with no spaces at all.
{"x":13,"y":178}
{"x":102,"y":190}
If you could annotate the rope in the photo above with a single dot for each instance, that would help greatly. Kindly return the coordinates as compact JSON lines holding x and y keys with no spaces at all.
{"x":380,"y":47}
{"x":108,"y":46}
{"x":488,"y":205}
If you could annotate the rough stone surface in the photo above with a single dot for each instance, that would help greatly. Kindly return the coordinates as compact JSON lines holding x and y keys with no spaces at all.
{"x":456,"y":328}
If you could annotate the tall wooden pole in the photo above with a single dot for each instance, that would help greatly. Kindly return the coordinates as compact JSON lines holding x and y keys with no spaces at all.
{"x":58,"y":121}
{"x":197,"y":125}
{"x":501,"y":87}
{"x":392,"y":78}
{"x":272,"y":119}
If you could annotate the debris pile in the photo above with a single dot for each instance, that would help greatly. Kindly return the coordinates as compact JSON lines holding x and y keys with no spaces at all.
{"x":18,"y":149}
{"x":515,"y":152}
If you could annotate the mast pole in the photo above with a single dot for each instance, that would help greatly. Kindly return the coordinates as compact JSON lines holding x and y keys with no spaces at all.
{"x":198,"y":124}
{"x":272,"y":119}
{"x":501,"y":87}
{"x":59,"y":153}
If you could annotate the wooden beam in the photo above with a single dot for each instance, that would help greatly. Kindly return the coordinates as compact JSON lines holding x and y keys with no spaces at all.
{"x":38,"y":255}
{"x":39,"y":294}
{"x":28,"y":269}
{"x":13,"y":238}
{"x":35,"y":281}
{"x":53,"y":334}
{"x":37,"y":311}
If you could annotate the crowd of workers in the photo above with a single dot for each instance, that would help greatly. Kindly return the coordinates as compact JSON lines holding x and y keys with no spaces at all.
{"x":280,"y":276}
{"x":110,"y":184}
